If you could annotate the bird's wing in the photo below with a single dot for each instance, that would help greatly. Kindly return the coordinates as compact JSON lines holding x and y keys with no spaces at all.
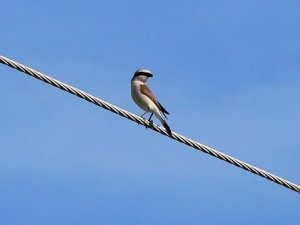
{"x":146,"y":91}
{"x":163,"y":109}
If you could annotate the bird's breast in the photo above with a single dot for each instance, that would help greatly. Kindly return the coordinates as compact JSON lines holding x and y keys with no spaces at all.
{"x":140,"y":99}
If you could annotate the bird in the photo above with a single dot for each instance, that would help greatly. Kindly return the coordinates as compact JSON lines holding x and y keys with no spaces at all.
{"x":145,"y":99}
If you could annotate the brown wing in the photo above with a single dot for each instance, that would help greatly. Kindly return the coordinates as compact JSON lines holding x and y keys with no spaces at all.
{"x":146,"y":91}
{"x":163,"y":109}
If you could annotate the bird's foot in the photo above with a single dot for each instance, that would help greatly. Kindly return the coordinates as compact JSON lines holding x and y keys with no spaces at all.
{"x":150,"y":124}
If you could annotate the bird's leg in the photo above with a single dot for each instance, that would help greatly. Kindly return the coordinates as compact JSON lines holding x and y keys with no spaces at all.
{"x":150,"y":118}
{"x":143,"y":114}
{"x":150,"y":121}
{"x":144,"y":118}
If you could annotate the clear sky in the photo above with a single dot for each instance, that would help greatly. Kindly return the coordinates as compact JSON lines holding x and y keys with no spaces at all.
{"x":227,"y":71}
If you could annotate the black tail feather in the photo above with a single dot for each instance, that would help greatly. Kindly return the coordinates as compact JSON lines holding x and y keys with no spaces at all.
{"x":166,"y":126}
{"x":163,"y":109}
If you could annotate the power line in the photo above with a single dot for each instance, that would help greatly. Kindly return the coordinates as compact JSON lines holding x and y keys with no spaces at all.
{"x":146,"y":123}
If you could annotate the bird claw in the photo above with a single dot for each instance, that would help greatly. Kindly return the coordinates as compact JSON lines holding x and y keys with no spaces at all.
{"x":143,"y":119}
{"x":150,"y":124}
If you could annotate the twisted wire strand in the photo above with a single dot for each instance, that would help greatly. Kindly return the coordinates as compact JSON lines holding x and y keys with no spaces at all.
{"x":146,"y":123}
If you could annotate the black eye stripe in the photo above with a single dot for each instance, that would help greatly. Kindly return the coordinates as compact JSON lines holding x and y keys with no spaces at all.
{"x":143,"y":73}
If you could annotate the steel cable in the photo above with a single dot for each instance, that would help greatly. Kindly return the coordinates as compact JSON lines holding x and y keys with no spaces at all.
{"x":152,"y":126}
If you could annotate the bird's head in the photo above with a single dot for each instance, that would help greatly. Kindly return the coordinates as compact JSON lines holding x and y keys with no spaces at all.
{"x":142,"y":75}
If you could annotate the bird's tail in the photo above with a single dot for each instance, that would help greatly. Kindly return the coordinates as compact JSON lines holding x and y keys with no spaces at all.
{"x":166,"y":126}
{"x":159,"y":115}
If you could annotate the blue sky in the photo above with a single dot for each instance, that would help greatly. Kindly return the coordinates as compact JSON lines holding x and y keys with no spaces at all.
{"x":227,"y":71}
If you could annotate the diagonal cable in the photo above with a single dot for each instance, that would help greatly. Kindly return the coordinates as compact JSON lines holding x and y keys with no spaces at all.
{"x":152,"y":126}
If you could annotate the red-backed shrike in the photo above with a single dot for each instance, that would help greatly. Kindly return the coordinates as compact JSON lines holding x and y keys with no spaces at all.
{"x":145,"y":99}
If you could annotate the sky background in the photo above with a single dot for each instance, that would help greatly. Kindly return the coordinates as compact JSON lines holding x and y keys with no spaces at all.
{"x":227,"y":71}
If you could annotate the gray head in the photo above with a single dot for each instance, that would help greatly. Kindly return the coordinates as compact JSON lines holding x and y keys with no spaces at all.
{"x":142,"y":75}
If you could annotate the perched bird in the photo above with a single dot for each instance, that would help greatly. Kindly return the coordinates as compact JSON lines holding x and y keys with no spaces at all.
{"x":145,"y":99}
